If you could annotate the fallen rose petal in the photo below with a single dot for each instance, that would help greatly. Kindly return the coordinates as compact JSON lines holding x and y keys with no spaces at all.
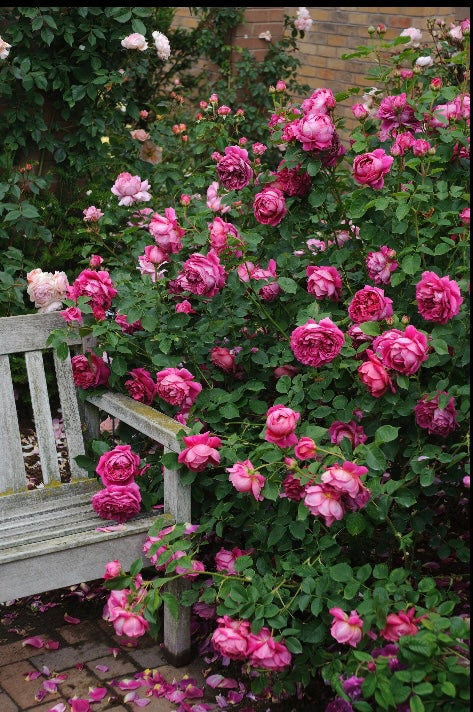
{"x":78,"y":704}
{"x":35,"y":642}
{"x":102,"y":668}
{"x":40,"y":695}
{"x":45,"y":671}
{"x":49,"y":686}
{"x":71,"y":619}
{"x":97,"y":693}
{"x":129,"y":684}
{"x":52,"y":645}
{"x":111,"y":528}
{"x":130,"y":696}
{"x":114,"y":651}
{"x":142,"y":702}
{"x":60,"y":707}
{"x":192,"y":691}
{"x":220,"y":681}
{"x":33,"y":675}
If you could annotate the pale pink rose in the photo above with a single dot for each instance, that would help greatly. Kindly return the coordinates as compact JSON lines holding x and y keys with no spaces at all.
{"x":381,"y":264}
{"x":200,"y":451}
{"x":265,"y":652}
{"x":351,"y":430}
{"x":95,"y":284}
{"x":213,"y":201}
{"x":234,"y":169}
{"x":92,"y":214}
{"x":117,"y":502}
{"x":166,"y":231}
{"x":315,"y":344}
{"x":281,"y":423}
{"x":324,"y":282}
{"x":141,"y":386}
{"x":245,"y":270}
{"x":203,"y":275}
{"x":135,"y":41}
{"x":374,"y":375}
{"x":322,"y":500}
{"x":162,"y":45}
{"x":4,"y":49}
{"x":223,"y":358}
{"x":259,"y":148}
{"x":130,"y":189}
{"x":230,"y":639}
{"x":316,"y":245}
{"x":399,"y":624}
{"x":177,"y":386}
{"x":303,"y":21}
{"x":404,"y":352}
{"x":415,"y":36}
{"x":345,"y":478}
{"x":72,"y":314}
{"x":436,"y":420}
{"x":269,"y":206}
{"x":125,"y":326}
{"x":370,"y":168}
{"x":424,"y":62}
{"x":245,"y":478}
{"x":370,"y":304}
{"x":269,"y":291}
{"x":140,"y":217}
{"x":118,"y":466}
{"x":321,"y":101}
{"x":315,"y":132}
{"x":438,"y":298}
{"x":305,"y":449}
{"x":346,"y":628}
{"x":112,"y":569}
{"x":150,"y":267}
{"x":47,"y":290}
{"x":89,"y":371}
{"x":139,"y":135}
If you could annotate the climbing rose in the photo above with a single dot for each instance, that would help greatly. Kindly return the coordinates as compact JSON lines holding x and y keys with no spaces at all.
{"x":141,"y":386}
{"x":162,"y":45}
{"x":374,"y":375}
{"x":118,"y":466}
{"x":117,"y":502}
{"x":225,"y":559}
{"x":89,"y":373}
{"x":315,"y":344}
{"x":200,"y":451}
{"x":321,"y":101}
{"x":436,"y":420}
{"x":345,"y":478}
{"x":234,"y":169}
{"x":92,"y":214}
{"x":202,"y":274}
{"x":292,"y":181}
{"x":305,"y":449}
{"x":265,"y":652}
{"x":324,"y":500}
{"x":346,"y":628}
{"x":370,"y":168}
{"x":369,"y":304}
{"x":72,"y":314}
{"x":402,"y":351}
{"x":135,"y":41}
{"x":269,"y":206}
{"x":399,"y":624}
{"x":351,"y":430}
{"x":223,"y":358}
{"x":166,"y":231}
{"x":381,"y":265}
{"x":46,"y":290}
{"x":245,"y":478}
{"x":315,"y":131}
{"x":324,"y":282}
{"x":130,"y":189}
{"x":112,"y":569}
{"x":438,"y":298}
{"x":281,"y":423}
{"x":230,"y":639}
{"x":177,"y":386}
{"x":95,"y":284}
{"x":125,"y":326}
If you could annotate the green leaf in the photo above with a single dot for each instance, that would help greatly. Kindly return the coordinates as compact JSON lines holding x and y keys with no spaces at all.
{"x":276,"y":534}
{"x":375,"y":458}
{"x":423,"y":688}
{"x":136,"y":566}
{"x":411,"y":264}
{"x":386,"y":433}
{"x":416,"y":704}
{"x":341,"y":572}
{"x":448,"y":688}
{"x":355,"y":523}
{"x":288,"y":285}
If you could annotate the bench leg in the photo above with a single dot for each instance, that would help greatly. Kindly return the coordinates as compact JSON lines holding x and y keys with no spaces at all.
{"x":177,"y":633}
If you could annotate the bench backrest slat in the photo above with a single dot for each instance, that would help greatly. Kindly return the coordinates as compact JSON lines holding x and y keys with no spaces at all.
{"x":70,"y":414}
{"x":29,"y":332}
{"x":12,"y":465}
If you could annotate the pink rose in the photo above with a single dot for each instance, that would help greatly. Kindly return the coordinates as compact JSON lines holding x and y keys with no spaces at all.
{"x":292,"y":181}
{"x":112,"y":569}
{"x":370,"y":168}
{"x":321,"y":102}
{"x":118,"y":466}
{"x":265,"y":652}
{"x":286,"y":370}
{"x":374,"y":375}
{"x":139,"y":135}
{"x":223,"y":358}
{"x":166,"y":231}
{"x":177,"y":386}
{"x":323,"y":500}
{"x":130,"y":189}
{"x":185,"y":307}
{"x":92,"y":214}
{"x":230,"y":639}
{"x":402,"y":351}
{"x":200,"y":451}
{"x":315,"y":132}
{"x":346,"y":628}
{"x":399,"y":624}
{"x":436,"y":420}
{"x":225,"y":559}
{"x":438,"y":298}
{"x":117,"y":502}
{"x":213,"y":201}
{"x":89,"y":371}
{"x":324,"y":282}
{"x":220,"y":232}
{"x":396,"y":113}
{"x":268,"y":291}
{"x":125,"y":326}
{"x":135,"y":41}
{"x":315,"y":344}
{"x":234,"y":169}
{"x":281,"y":423}
{"x":269,"y":206}
{"x":370,"y":304}
{"x":245,"y":478}
{"x":358,"y":338}
{"x":202,"y":274}
{"x":72,"y":314}
{"x":465,"y":216}
{"x":305,"y":449}
{"x":351,"y":430}
{"x":46,"y":290}
{"x":95,"y":261}
{"x":345,"y":478}
{"x":292,"y":488}
{"x":141,"y":386}
{"x":381,"y":265}
{"x":95,"y":284}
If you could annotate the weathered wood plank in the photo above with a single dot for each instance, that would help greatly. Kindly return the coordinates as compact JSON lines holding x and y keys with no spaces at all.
{"x":70,"y":413}
{"x":177,"y":496}
{"x":12,"y":464}
{"x":42,"y":417}
{"x":29,"y":332}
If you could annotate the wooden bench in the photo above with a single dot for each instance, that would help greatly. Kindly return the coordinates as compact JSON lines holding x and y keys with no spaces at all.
{"x":48,"y":535}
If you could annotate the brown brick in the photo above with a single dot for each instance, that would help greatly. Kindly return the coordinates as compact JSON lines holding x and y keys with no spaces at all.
{"x":12,"y":680}
{"x":7,"y":704}
{"x":16,"y":651}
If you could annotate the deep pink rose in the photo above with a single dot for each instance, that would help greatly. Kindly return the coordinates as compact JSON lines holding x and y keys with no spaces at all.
{"x":234,"y":168}
{"x":269,"y":206}
{"x":437,"y":421}
{"x":177,"y":386}
{"x":346,"y":628}
{"x":315,"y":132}
{"x":292,"y":488}
{"x":245,"y":478}
{"x":399,"y":624}
{"x":166,"y":231}
{"x":305,"y":449}
{"x":351,"y":430}
{"x":72,"y":314}
{"x":265,"y":652}
{"x":117,"y":502}
{"x":130,"y":624}
{"x":370,"y":168}
{"x":324,"y":282}
{"x":281,"y":423}
{"x":438,"y":298}
{"x":130,"y":189}
{"x":95,"y":284}
{"x":370,"y":304}
{"x":200,"y":451}
{"x":125,"y":326}
{"x":89,"y":371}
{"x":381,"y":265}
{"x":220,"y":232}
{"x":112,"y":569}
{"x":315,"y":344}
{"x":321,"y":101}
{"x":402,"y":351}
{"x":230,"y":639}
{"x":202,"y":274}
{"x":292,"y":181}
{"x":141,"y":386}
{"x":345,"y":478}
{"x":395,"y":113}
{"x":374,"y":375}
{"x":118,"y":466}
{"x":325,"y":501}
{"x":223,"y":358}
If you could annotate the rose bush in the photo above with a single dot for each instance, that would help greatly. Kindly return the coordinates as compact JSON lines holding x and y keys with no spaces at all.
{"x":325,"y":395}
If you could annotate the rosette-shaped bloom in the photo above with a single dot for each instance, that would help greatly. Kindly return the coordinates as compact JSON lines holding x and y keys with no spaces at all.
{"x":46,"y":290}
{"x":281,"y":423}
{"x":177,"y":386}
{"x":161,"y":42}
{"x":315,"y":344}
{"x":396,"y":113}
{"x":414,"y":35}
{"x":438,"y":298}
{"x":269,"y":206}
{"x":325,"y":501}
{"x":381,"y":264}
{"x":370,"y":304}
{"x":324,"y":282}
{"x":71,"y":315}
{"x":234,"y":169}
{"x":305,"y":449}
{"x":89,"y":371}
{"x":399,"y":624}
{"x":351,"y":430}
{"x":223,"y":358}
{"x":92,"y":214}
{"x":95,"y":284}
{"x":112,"y":569}
{"x":200,"y":451}
{"x":118,"y":466}
{"x":292,"y":181}
{"x":374,"y":375}
{"x":403,"y":351}
{"x":436,"y":420}
{"x":135,"y":41}
{"x":220,"y":231}
{"x":125,"y":326}
{"x":346,"y":628}
{"x":265,"y":652}
{"x":202,"y":274}
{"x":245,"y":478}
{"x":231,"y":638}
{"x":130,"y":189}
{"x":117,"y":502}
{"x":345,"y":478}
{"x":141,"y":386}
{"x":321,"y":102}
{"x":225,"y":559}
{"x":370,"y":168}
{"x":315,"y":132}
{"x":166,"y":231}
